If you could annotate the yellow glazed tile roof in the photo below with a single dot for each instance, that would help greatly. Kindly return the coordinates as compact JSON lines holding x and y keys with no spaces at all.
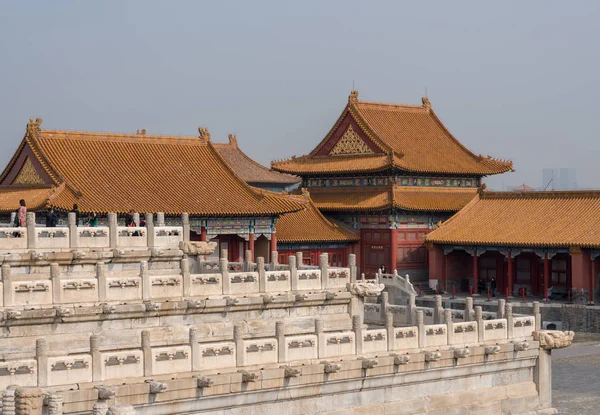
{"x":528,"y":219}
{"x":412,"y":137}
{"x":36,"y":198}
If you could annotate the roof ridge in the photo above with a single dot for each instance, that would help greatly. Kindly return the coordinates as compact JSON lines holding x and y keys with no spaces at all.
{"x":542,"y":194}
{"x":95,"y":134}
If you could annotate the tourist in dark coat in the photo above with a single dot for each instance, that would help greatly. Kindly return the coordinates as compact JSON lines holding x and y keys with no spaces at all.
{"x":51,"y":219}
{"x":75,"y":210}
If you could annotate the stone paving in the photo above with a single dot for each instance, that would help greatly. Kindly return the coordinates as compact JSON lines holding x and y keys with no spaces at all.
{"x":575,"y":376}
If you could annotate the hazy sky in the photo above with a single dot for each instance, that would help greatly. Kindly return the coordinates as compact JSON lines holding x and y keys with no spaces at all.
{"x":513,"y":79}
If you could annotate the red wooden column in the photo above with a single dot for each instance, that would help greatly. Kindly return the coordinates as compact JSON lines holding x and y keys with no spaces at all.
{"x":273,"y":242}
{"x":592,"y":279}
{"x":510,"y":274}
{"x":475,"y":271}
{"x":443,"y":271}
{"x":546,"y":275}
{"x":203,"y":234}
{"x":251,"y":245}
{"x":393,"y":250}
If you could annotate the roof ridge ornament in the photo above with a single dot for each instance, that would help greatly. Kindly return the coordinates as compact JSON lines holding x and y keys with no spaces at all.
{"x":204,"y":134}
{"x":426,"y":103}
{"x":481,"y":189}
{"x":33,"y":127}
{"x":141,"y":132}
{"x":353,"y":97}
{"x":232,"y":139}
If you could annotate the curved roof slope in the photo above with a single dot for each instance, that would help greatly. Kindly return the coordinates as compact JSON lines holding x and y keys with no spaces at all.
{"x":108,"y":172}
{"x":529,"y":219}
{"x":310,"y":226}
{"x":249,"y":170}
{"x":410,"y":138}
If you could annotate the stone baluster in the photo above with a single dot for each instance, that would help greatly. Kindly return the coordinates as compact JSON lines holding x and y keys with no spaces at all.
{"x":500,"y":311}
{"x":510,"y":322}
{"x":29,"y":400}
{"x":8,"y":285}
{"x":274,"y":260}
{"x":542,"y":376}
{"x":357,"y":328}
{"x":281,"y":344}
{"x":55,"y":403}
{"x":73,"y":236}
{"x":480,"y":322}
{"x":147,"y":352}
{"x":247,"y":260}
{"x":238,"y":339}
{"x":389,"y":328}
{"x":100,"y":408}
{"x":146,"y":285}
{"x":96,"y":358}
{"x":262,"y":275}
{"x":160,"y":218}
{"x":449,"y":325}
{"x":421,"y":327}
{"x":149,"y":218}
{"x":136,"y":219}
{"x":324,"y":267}
{"x":186,"y":277}
{"x":102,"y":283}
{"x":299,"y":262}
{"x":293,"y":272}
{"x":468,"y":309}
{"x":112,"y":230}
{"x":8,"y":400}
{"x":411,"y":310}
{"x":56,"y":288}
{"x":121,"y":410}
{"x":352,"y":266}
{"x":322,"y":344}
{"x":185,"y":222}
{"x":30,"y":224}
{"x":196,"y":355}
{"x":224,"y":270}
{"x":385,"y":302}
{"x":537,"y":315}
{"x":357,"y":306}
{"x":41,"y":358}
{"x":438,"y":312}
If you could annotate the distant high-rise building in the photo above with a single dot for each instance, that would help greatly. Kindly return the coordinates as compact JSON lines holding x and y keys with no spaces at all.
{"x":559,"y":179}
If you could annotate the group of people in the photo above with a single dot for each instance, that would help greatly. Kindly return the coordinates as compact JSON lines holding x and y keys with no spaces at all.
{"x":52,"y":216}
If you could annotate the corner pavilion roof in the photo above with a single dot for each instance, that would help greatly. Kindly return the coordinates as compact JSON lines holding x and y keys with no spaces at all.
{"x":406,"y":137}
{"x":528,"y":219}
{"x":249,"y":170}
{"x":112,"y":172}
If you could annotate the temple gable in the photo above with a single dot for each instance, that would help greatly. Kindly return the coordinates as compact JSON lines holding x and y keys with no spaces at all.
{"x":28,"y":174}
{"x":350,"y":143}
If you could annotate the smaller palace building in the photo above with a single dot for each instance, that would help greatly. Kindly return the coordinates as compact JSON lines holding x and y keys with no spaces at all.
{"x":537,"y":241}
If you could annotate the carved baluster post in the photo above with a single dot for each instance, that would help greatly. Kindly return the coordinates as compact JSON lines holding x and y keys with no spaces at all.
{"x":146,"y":285}
{"x":56,"y":288}
{"x":187,"y":277}
{"x":299,"y":262}
{"x":293,"y":272}
{"x":112,"y":230}
{"x":8,"y":285}
{"x":357,"y":328}
{"x":438,"y":312}
{"x":238,"y":339}
{"x":262,"y":275}
{"x":96,"y":358}
{"x":322,"y":344}
{"x":510,"y":322}
{"x":29,"y":400}
{"x":160,"y":219}
{"x":537,"y":315}
{"x":389,"y":328}
{"x":421,"y":327}
{"x":324,"y":267}
{"x":185,"y":222}
{"x":281,"y":344}
{"x":468,"y":309}
{"x":384,"y":305}
{"x":30,"y":224}
{"x":100,"y":408}
{"x":449,"y":325}
{"x":501,"y":312}
{"x":136,"y":219}
{"x":150,"y":230}
{"x":224,"y":270}
{"x":102,"y":283}
{"x":352,"y":266}
{"x":274,"y":260}
{"x":147,"y":352}
{"x":73,"y":235}
{"x":247,"y":260}
{"x":196,"y":355}
{"x":542,"y":376}
{"x":55,"y":403}
{"x":8,"y":400}
{"x":480,"y":323}
{"x":41,"y":357}
{"x":411,"y":310}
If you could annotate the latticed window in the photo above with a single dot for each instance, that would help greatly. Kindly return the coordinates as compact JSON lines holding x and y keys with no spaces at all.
{"x":559,"y":271}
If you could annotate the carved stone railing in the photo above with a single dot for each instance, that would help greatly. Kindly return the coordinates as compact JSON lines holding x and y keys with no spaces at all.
{"x":13,"y":238}
{"x":395,"y":280}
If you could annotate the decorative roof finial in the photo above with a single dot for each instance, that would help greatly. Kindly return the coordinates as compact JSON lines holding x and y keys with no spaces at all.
{"x":204,"y":133}
{"x":141,"y":132}
{"x":426,"y":103}
{"x":481,"y":189}
{"x":33,"y":127}
{"x":353,"y":98}
{"x":233,"y":140}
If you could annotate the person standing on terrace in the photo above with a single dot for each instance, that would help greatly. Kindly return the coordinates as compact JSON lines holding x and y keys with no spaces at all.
{"x":22,"y":214}
{"x":75,"y":210}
